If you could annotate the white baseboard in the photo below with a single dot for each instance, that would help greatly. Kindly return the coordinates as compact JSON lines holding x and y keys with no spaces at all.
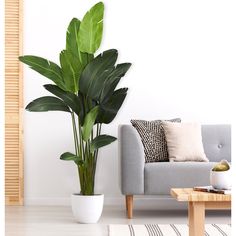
{"x":49,"y":201}
{"x":140,"y":202}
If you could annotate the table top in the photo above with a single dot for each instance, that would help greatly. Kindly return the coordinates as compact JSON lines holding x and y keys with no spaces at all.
{"x":189,"y":195}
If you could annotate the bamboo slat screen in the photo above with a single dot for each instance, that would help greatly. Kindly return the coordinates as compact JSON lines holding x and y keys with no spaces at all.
{"x":13,"y":103}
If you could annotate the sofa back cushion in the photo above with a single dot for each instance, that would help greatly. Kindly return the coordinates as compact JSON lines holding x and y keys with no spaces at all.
{"x":217,"y":142}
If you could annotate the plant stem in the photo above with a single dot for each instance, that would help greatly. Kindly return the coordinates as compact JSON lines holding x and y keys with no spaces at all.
{"x":99,"y":133}
{"x":81,"y":142}
{"x":81,"y":179}
{"x":99,"y":127}
{"x":75,"y":134}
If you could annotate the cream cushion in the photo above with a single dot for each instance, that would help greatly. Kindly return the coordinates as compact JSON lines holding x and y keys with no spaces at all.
{"x":184,"y":141}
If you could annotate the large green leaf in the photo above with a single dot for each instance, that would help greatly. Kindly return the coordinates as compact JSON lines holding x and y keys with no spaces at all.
{"x":72,"y":43}
{"x":47,"y":103}
{"x":112,"y":80}
{"x":108,"y":110}
{"x":89,"y":122}
{"x":46,"y":68}
{"x":91,"y":28}
{"x":94,"y":75}
{"x":71,"y":70}
{"x":101,"y":140}
{"x":70,"y":99}
{"x":72,"y":37}
{"x":68,"y":156}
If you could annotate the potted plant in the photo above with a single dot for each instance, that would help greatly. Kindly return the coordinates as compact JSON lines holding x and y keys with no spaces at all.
{"x":220,"y":175}
{"x":84,"y":86}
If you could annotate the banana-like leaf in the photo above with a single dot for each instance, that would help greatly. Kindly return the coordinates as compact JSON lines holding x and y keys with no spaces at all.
{"x":70,"y":99}
{"x":112,"y":80}
{"x":108,"y":110}
{"x":47,"y":103}
{"x":89,"y":122}
{"x":101,"y":141}
{"x":94,"y":75}
{"x":72,"y":37}
{"x":46,"y":68}
{"x":72,"y":43}
{"x":68,"y":156}
{"x":91,"y":28}
{"x":71,"y":70}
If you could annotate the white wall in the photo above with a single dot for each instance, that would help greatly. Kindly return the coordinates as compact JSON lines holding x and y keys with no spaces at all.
{"x":183,"y":55}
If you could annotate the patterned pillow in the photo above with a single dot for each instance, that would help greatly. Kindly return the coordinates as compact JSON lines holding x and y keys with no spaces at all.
{"x":153,"y":138}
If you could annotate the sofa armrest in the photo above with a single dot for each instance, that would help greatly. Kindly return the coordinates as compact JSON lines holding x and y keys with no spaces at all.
{"x":131,"y":161}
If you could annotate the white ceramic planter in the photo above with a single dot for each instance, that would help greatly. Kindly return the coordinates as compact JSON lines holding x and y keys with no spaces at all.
{"x":87,"y":209}
{"x":221,"y":179}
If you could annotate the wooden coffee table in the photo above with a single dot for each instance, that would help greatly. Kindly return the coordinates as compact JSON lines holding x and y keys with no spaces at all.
{"x":197,"y":203}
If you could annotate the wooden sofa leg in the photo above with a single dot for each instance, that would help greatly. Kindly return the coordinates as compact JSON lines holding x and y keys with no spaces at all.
{"x":129,"y":206}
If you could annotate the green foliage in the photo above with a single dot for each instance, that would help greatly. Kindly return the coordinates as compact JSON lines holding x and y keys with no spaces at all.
{"x":112,"y":81}
{"x":84,"y":86}
{"x":71,"y":68}
{"x":72,"y":36}
{"x":70,"y":99}
{"x":47,"y":104}
{"x":101,"y":141}
{"x":45,"y":67}
{"x":109,"y":109}
{"x":68,"y":156}
{"x":89,"y":123}
{"x":91,"y":27}
{"x":72,"y":43}
{"x":96,"y":72}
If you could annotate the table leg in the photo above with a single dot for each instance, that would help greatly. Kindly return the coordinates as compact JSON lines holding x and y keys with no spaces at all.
{"x":196,"y":217}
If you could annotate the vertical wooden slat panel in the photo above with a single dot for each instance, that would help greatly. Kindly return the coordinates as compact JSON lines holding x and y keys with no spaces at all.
{"x":14,"y":186}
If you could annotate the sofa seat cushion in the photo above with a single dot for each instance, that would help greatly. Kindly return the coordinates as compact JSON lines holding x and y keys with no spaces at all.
{"x":160,"y":177}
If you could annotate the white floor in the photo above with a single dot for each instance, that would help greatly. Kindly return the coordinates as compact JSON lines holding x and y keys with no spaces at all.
{"x":58,"y":221}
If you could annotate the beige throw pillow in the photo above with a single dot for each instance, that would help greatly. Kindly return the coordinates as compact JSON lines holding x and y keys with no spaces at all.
{"x":184,"y":141}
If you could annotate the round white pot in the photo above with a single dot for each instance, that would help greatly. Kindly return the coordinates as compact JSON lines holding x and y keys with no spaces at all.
{"x":87,"y":209}
{"x":221,"y":179}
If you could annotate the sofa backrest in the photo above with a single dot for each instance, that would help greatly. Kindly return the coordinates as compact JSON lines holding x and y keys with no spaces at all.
{"x":216,"y":140}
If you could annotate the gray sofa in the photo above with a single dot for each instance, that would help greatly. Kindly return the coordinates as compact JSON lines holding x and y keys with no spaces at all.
{"x":140,"y":178}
